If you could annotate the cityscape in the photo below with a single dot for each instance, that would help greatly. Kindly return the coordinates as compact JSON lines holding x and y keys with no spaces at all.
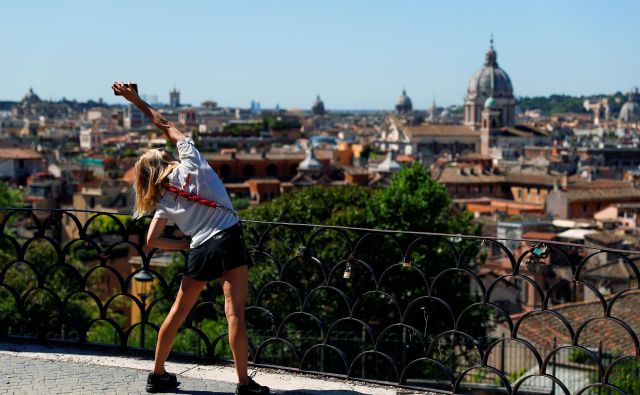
{"x":517,"y":215}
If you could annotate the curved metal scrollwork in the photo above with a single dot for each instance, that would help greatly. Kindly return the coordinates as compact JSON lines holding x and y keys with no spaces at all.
{"x":446,"y":312}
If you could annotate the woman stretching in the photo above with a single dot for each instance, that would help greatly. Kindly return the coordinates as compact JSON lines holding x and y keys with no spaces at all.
{"x":183,"y":192}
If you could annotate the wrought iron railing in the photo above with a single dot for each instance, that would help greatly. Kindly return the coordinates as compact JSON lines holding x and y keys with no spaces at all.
{"x":448,"y":312}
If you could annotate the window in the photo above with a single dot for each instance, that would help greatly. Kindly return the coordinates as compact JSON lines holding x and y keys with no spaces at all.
{"x":248,"y":171}
{"x":225,"y":171}
{"x":272,"y":170}
{"x":584,"y":207}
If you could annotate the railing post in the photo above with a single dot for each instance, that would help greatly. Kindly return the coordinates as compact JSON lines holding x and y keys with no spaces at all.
{"x":502,"y":355}
{"x":553,"y":368}
{"x":57,"y":226}
{"x":143,"y":296}
{"x":600,"y":357}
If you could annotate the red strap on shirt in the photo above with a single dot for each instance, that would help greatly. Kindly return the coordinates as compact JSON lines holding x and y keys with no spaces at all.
{"x":195,"y":198}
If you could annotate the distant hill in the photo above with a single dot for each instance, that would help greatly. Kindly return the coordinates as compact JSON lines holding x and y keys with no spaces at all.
{"x":556,"y":104}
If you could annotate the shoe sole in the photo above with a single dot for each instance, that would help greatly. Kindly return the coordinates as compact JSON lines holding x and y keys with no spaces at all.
{"x":154,"y":389}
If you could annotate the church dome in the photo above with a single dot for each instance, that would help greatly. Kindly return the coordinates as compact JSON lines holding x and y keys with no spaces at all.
{"x":318,"y":106}
{"x":404,"y":104}
{"x":630,"y":111}
{"x":31,"y":97}
{"x":490,"y":79}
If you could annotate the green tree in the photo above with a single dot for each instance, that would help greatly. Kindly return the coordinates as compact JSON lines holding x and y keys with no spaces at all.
{"x":411,"y":202}
{"x":10,"y":197}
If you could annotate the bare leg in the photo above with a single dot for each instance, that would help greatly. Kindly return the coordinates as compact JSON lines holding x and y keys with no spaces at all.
{"x":235,"y":285}
{"x":186,"y":298}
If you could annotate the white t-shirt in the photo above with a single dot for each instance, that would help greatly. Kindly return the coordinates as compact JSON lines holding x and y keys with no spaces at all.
{"x":195,"y":176}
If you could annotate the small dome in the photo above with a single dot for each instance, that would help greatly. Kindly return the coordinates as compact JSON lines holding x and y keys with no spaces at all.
{"x":404,"y":104}
{"x":318,"y":106}
{"x":630,"y":111}
{"x":490,"y":102}
{"x":31,"y":97}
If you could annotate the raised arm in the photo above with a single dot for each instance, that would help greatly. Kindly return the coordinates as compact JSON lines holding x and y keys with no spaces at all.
{"x":171,"y":132}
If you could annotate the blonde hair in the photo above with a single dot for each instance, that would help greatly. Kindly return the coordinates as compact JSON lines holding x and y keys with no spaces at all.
{"x":151,"y":171}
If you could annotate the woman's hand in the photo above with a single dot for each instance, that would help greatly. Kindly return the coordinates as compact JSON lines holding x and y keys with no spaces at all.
{"x":169,"y":129}
{"x":125,"y":90}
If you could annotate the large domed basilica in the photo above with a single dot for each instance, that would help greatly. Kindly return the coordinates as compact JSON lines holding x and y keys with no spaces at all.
{"x":630,"y":111}
{"x":490,"y":81}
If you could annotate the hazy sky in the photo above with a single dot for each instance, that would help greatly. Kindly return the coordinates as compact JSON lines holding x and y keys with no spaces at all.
{"x":355,"y":54}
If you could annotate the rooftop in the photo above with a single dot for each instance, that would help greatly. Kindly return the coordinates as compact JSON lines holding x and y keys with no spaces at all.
{"x":603,"y":194}
{"x":19,"y":153}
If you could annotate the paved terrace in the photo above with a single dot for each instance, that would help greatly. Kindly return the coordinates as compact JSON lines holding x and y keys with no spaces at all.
{"x":31,"y":369}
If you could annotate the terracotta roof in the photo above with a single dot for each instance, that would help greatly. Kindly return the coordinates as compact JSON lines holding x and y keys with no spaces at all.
{"x":254,"y":157}
{"x":427,"y":130}
{"x":531,"y":179}
{"x":455,"y":175}
{"x":515,"y":132}
{"x":605,"y":238}
{"x":539,"y":235}
{"x":600,"y":194}
{"x":541,"y":328}
{"x":19,"y":153}
{"x":524,"y":131}
{"x":600,"y":183}
{"x":614,"y":270}
{"x":405,"y":158}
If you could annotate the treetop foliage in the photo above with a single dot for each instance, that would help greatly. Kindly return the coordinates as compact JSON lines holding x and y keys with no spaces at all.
{"x":9,"y":196}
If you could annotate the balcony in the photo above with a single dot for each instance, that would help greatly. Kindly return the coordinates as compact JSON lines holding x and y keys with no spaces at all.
{"x":452,"y":313}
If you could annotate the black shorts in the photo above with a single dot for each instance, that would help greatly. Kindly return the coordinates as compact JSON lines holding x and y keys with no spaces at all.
{"x":223,"y":251}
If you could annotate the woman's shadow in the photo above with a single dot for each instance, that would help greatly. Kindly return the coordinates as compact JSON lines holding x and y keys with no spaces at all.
{"x":290,"y":392}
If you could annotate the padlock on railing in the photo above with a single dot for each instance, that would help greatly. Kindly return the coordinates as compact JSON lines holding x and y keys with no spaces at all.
{"x":301,"y":254}
{"x":538,"y":253}
{"x":347,"y":270}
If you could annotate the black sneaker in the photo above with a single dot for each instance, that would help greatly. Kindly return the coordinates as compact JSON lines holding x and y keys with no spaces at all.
{"x":161,"y":382}
{"x":252,"y":388}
